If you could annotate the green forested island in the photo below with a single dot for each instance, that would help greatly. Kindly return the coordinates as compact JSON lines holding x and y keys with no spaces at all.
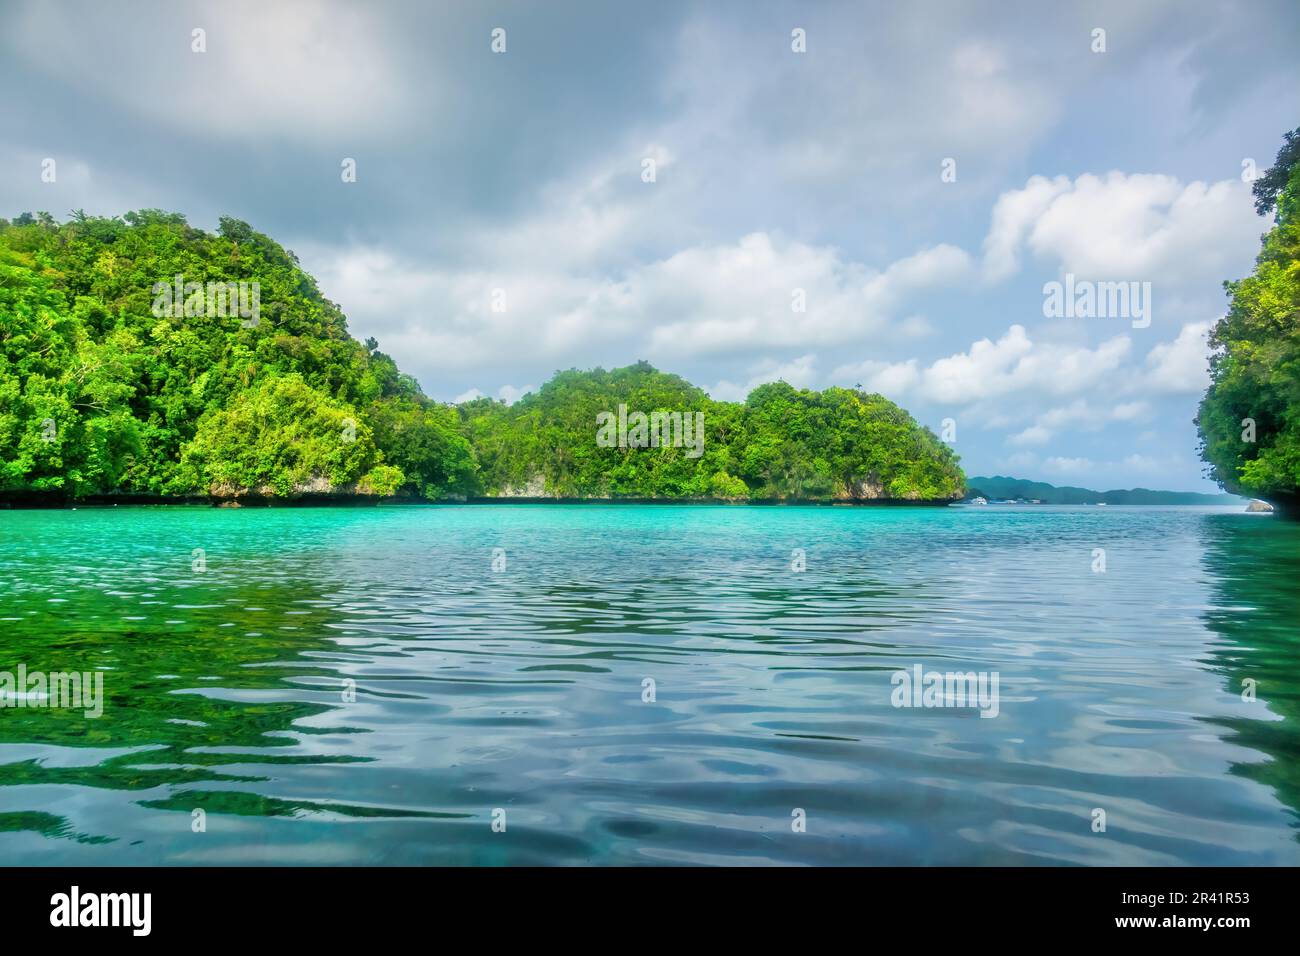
{"x":144,"y":358}
{"x":999,"y":487}
{"x":1249,"y":420}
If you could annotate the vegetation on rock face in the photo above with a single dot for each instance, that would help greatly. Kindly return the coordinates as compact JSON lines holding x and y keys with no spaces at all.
{"x":780,"y":443}
{"x":282,"y":436}
{"x":1249,"y":420}
{"x":99,"y":393}
{"x":103,"y":392}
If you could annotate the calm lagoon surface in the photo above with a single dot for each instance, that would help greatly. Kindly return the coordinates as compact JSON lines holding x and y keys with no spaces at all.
{"x":228,"y":689}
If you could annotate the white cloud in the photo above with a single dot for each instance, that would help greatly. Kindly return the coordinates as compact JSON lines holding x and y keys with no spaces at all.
{"x":1033,"y":435}
{"x":916,"y":327}
{"x":1078,"y":414}
{"x":1100,"y":475}
{"x":1012,"y":364}
{"x":315,"y":69}
{"x":1067,"y":466}
{"x":706,"y":300}
{"x":1143,"y":463}
{"x":742,"y":295}
{"x":434,"y":319}
{"x":801,"y":373}
{"x":1181,"y":366}
{"x":889,"y":379}
{"x":1125,"y":226}
{"x":1130,"y":411}
{"x":1021,"y":459}
{"x":1014,"y":215}
{"x":509,"y":394}
{"x":506,"y":393}
{"x":1002,"y":383}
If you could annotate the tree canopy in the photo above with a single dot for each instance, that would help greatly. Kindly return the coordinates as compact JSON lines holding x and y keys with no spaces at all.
{"x":780,"y":443}
{"x":109,"y":384}
{"x":1249,"y":419}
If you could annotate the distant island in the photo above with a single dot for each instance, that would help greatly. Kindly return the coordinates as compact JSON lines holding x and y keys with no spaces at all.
{"x":145,"y":360}
{"x":1001,"y":488}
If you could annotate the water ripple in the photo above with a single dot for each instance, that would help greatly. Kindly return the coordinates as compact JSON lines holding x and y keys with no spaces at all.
{"x":360,"y":686}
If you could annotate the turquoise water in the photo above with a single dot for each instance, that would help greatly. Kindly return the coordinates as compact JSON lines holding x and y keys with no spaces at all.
{"x":523,"y":689}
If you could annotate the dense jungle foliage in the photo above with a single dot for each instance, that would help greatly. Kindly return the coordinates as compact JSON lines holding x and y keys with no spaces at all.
{"x":109,"y":384}
{"x":1249,"y":420}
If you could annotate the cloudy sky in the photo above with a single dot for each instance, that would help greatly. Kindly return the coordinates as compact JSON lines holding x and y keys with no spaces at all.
{"x":774,"y":171}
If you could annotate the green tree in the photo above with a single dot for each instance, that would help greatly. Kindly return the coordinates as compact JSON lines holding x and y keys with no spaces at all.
{"x":781,"y":443}
{"x":283,"y":437}
{"x":113,"y":381}
{"x":424,"y":441}
{"x":1249,"y":419}
{"x":88,"y":342}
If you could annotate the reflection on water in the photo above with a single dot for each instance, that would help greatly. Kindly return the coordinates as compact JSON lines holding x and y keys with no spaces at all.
{"x":359,"y":686}
{"x":1255,"y":570}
